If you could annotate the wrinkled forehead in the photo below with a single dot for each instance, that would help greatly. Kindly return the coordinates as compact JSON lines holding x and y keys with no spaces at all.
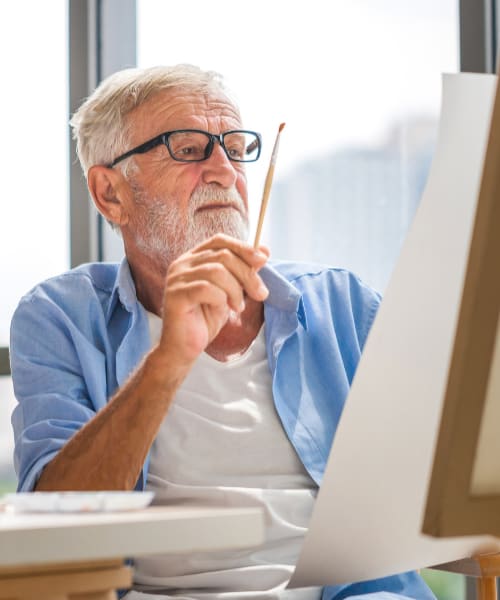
{"x":182,"y":108}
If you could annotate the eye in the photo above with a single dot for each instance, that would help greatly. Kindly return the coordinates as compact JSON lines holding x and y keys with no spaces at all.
{"x":242,"y":145}
{"x":234,"y":143}
{"x":235,"y":152}
{"x":188,"y":146}
{"x":188,"y":150}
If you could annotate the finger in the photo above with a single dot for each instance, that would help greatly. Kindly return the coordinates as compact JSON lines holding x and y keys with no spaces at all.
{"x":264,"y":250}
{"x":192,"y":294}
{"x":246,"y":275}
{"x":216,"y":274}
{"x":252,"y":256}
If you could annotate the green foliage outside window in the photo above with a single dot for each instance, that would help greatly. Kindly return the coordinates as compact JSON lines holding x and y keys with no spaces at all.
{"x":446,"y":586}
{"x":7,"y":486}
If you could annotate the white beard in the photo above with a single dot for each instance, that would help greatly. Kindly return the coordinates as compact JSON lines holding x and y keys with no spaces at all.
{"x":162,"y":234}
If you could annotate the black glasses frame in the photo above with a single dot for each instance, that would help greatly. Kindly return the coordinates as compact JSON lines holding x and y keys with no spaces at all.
{"x":212,"y":138}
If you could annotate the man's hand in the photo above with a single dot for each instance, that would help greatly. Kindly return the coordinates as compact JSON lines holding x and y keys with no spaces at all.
{"x":202,"y":287}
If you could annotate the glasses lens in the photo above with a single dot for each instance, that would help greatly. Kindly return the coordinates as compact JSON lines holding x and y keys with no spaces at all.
{"x":188,"y":146}
{"x":242,"y":146}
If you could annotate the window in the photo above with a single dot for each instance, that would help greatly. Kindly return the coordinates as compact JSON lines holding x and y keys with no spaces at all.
{"x":358,"y":84}
{"x":33,"y":121}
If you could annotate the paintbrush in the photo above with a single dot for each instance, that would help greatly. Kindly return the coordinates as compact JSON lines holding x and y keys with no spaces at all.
{"x":267,"y":187}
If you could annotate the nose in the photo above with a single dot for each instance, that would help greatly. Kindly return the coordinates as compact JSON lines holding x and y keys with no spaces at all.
{"x":217,"y":168}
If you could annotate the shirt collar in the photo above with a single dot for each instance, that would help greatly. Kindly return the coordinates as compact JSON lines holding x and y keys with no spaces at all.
{"x":282,"y":294}
{"x":124,"y":289}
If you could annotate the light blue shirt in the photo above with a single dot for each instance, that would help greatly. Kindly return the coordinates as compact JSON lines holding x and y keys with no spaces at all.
{"x":77,"y":337}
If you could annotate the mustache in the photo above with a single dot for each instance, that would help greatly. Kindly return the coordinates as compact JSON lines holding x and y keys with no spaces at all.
{"x":201,"y":195}
{"x":204,"y":194}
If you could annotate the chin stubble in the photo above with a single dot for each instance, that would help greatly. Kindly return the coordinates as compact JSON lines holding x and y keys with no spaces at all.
{"x":161,"y":232}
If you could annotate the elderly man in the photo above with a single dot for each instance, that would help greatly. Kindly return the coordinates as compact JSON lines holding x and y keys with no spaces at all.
{"x":195,"y":368}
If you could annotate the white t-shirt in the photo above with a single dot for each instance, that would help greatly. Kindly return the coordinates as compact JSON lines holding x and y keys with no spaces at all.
{"x":222,"y":444}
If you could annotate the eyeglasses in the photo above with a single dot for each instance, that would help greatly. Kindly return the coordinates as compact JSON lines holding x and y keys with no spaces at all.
{"x":194,"y":145}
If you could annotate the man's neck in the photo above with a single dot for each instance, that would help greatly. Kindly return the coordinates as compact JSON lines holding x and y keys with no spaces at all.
{"x":238,"y":333}
{"x":149,"y":280}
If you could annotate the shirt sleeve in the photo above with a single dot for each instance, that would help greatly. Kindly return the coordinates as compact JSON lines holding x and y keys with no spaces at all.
{"x":49,"y":361}
{"x":405,"y":586}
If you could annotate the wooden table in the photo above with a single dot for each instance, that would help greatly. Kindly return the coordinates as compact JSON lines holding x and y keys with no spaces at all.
{"x":81,"y":556}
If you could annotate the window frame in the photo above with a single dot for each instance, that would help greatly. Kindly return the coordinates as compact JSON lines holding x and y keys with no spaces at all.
{"x":4,"y":361}
{"x":102,"y":40}
{"x":479,"y":24}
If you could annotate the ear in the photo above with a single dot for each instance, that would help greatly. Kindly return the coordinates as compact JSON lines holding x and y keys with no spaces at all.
{"x":109,"y":190}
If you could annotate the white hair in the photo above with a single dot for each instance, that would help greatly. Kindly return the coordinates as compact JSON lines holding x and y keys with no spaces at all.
{"x":100,"y":126}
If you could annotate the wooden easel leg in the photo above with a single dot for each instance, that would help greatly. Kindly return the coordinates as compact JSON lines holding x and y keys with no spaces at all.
{"x":486,"y":588}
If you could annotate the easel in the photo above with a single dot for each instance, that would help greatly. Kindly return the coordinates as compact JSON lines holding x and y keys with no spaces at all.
{"x":486,"y":583}
{"x":467,"y":501}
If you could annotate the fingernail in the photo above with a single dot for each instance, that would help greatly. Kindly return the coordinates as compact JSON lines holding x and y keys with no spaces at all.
{"x":263,"y":290}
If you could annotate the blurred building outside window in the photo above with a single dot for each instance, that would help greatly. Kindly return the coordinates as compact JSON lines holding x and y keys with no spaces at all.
{"x":358,"y":84}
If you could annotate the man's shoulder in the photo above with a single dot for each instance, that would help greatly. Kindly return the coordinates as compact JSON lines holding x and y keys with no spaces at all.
{"x":97,"y":277}
{"x":73,"y":305}
{"x":82,"y":286}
